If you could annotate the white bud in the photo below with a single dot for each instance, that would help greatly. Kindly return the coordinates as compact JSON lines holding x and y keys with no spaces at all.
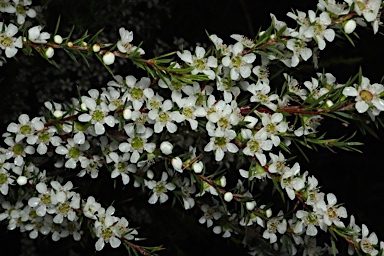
{"x":22,"y":180}
{"x":329,"y":103}
{"x":268,"y":213}
{"x":166,"y":147}
{"x":70,"y":44}
{"x":177,"y":164}
{"x":109,"y":58}
{"x":127,"y":114}
{"x":250,"y":205}
{"x":228,"y":196}
{"x":49,"y":52}
{"x":58,"y":39}
{"x":349,"y":26}
{"x":223,"y":181}
{"x":58,"y":113}
{"x":251,"y":121}
{"x":96,"y":48}
{"x":197,"y":167}
{"x":150,"y":174}
{"x":83,"y":106}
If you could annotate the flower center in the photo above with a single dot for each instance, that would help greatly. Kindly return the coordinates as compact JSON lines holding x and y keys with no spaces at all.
{"x":25,"y":129}
{"x":137,"y":143}
{"x":236,"y":62}
{"x":137,"y":93}
{"x":199,"y":64}
{"x":20,"y":9}
{"x":44,"y":137}
{"x":98,"y":115}
{"x":3,"y":178}
{"x":188,"y":112}
{"x":74,"y":152}
{"x":6,"y":41}
{"x":220,"y":142}
{"x":163,"y":117}
{"x":253,"y":145}
{"x":366,"y":95}
{"x":18,"y":149}
{"x":121,"y":166}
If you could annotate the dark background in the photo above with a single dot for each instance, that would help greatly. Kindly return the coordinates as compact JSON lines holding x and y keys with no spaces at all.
{"x":357,"y":179}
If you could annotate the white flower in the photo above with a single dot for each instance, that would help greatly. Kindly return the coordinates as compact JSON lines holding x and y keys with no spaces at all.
{"x":244,"y":40}
{"x":260,"y":93}
{"x":274,"y":225}
{"x":137,"y":143}
{"x":109,"y":58}
{"x":239,"y":64}
{"x":334,"y":213}
{"x":7,"y":7}
{"x":210,"y":213}
{"x":314,"y":92}
{"x":25,"y":128}
{"x":367,"y":243}
{"x":291,"y":183}
{"x":91,"y":207}
{"x":367,"y":95}
{"x":98,"y":113}
{"x":349,"y":26}
{"x":166,"y":147}
{"x":124,"y":44}
{"x":308,"y":221}
{"x":73,"y":152}
{"x":298,"y":47}
{"x":22,"y":10}
{"x":256,"y":144}
{"x":18,"y":151}
{"x":36,"y":36}
{"x":122,"y":167}
{"x":201,"y":64}
{"x":159,"y":189}
{"x":164,"y":117}
{"x":220,"y":142}
{"x":368,"y":8}
{"x":5,"y":181}
{"x":177,"y":164}
{"x":319,"y":28}
{"x":7,"y":40}
{"x":272,"y":126}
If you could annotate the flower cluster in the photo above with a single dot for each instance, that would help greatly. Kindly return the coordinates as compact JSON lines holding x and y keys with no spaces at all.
{"x":218,"y":104}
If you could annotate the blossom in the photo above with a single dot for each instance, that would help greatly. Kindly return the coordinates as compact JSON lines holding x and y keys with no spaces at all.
{"x":210,"y":213}
{"x":368,"y":8}
{"x":274,"y":225}
{"x":36,"y":36}
{"x":121,"y":166}
{"x":22,"y":10}
{"x":124,"y":44}
{"x":256,"y":144}
{"x":220,"y":143}
{"x":72,"y":152}
{"x":159,"y":189}
{"x":260,"y":93}
{"x":7,"y":40}
{"x":367,"y":243}
{"x":6,"y":6}
{"x":239,"y":64}
{"x":319,"y":28}
{"x":200,"y":64}
{"x":366,"y":95}
{"x":334,"y":213}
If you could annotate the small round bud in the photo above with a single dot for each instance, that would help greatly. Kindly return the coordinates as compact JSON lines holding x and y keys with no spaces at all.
{"x":49,"y":52}
{"x":268,"y":212}
{"x":109,"y":58}
{"x":58,"y":113}
{"x":197,"y":167}
{"x":223,"y":181}
{"x":166,"y":147}
{"x":250,"y":205}
{"x":70,"y":44}
{"x":150,"y":174}
{"x":84,"y":43}
{"x":127,"y":114}
{"x":177,"y":164}
{"x":96,"y":48}
{"x":349,"y":26}
{"x":22,"y":180}
{"x":83,"y":106}
{"x":329,"y":103}
{"x":58,"y":39}
{"x":228,"y":196}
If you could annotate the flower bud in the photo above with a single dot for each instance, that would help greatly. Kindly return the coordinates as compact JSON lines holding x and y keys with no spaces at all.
{"x":127,"y":114}
{"x":150,"y":174}
{"x":58,"y":113}
{"x":329,"y":103}
{"x":177,"y":164}
{"x":228,"y":196}
{"x":349,"y":26}
{"x":250,"y":205}
{"x":49,"y":52}
{"x":197,"y":167}
{"x":70,"y":44}
{"x":58,"y":39}
{"x":22,"y":180}
{"x":109,"y":58}
{"x":96,"y":48}
{"x":268,"y":213}
{"x":222,"y":182}
{"x":166,"y":147}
